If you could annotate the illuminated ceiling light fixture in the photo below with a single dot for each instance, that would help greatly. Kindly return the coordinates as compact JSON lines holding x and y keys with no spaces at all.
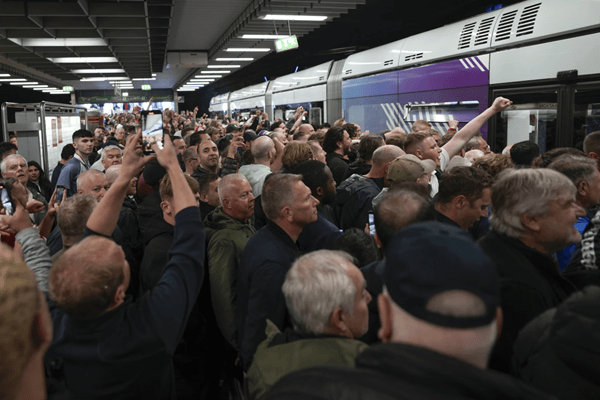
{"x":202,"y":80}
{"x":263,"y":36}
{"x":24,"y":83}
{"x":208,"y":76}
{"x":4,"y":75}
{"x":234,"y":59}
{"x":243,"y":49}
{"x":223,"y":66}
{"x":104,"y":78}
{"x":36,"y":86}
{"x":143,"y":79}
{"x":82,"y":60}
{"x":13,"y":80}
{"x":215,"y":72}
{"x":274,"y":17}
{"x":99,"y":71}
{"x":71,"y":42}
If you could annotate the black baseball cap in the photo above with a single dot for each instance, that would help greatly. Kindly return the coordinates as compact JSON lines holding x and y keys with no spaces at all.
{"x":250,"y":135}
{"x":429,"y":258}
{"x":232,"y":128}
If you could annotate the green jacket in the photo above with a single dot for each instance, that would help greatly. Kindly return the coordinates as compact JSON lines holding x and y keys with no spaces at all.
{"x":273,"y":361}
{"x":226,"y":240}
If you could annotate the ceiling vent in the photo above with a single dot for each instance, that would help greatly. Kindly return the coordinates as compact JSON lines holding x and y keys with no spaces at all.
{"x":527,"y":20}
{"x":464,"y":42}
{"x":505,"y":25}
{"x":413,"y":57}
{"x":483,"y":31}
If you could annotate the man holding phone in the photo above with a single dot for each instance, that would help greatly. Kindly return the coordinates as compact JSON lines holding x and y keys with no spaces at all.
{"x":83,"y":142}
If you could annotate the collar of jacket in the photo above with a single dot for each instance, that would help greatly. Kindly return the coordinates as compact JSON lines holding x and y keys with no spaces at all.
{"x":281,"y":234}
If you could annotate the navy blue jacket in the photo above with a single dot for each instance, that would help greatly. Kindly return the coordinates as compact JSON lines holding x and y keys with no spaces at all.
{"x":318,"y":235}
{"x":354,"y":200}
{"x":263,"y":266}
{"x":126,"y":353}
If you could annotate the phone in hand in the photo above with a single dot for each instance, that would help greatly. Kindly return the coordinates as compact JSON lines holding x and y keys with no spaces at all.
{"x":7,"y":203}
{"x":371,"y":223}
{"x":152,"y":125}
{"x":60,"y":192}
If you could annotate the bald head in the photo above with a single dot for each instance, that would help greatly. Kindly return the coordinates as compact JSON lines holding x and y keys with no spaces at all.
{"x":386,"y":154}
{"x":112,"y":173}
{"x":229,"y":185}
{"x":261,"y":148}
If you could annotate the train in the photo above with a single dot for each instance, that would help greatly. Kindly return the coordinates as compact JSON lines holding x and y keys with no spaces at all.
{"x":543,"y":55}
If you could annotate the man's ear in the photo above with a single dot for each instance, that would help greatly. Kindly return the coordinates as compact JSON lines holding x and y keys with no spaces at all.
{"x":530,"y":223}
{"x":594,"y":156}
{"x":460,"y":202}
{"x":79,"y":191}
{"x":287,"y":213}
{"x":583,"y":188}
{"x":119,"y":295}
{"x":3,"y":175}
{"x":377,"y":241}
{"x":337,"y":320}
{"x":385,"y":317}
{"x":166,"y":206}
{"x":320,"y":192}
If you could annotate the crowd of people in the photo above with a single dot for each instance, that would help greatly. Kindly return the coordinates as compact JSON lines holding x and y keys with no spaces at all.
{"x":281,"y":260}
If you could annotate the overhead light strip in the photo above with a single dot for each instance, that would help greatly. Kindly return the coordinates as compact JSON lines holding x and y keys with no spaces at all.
{"x":99,"y":71}
{"x":82,"y":60}
{"x":234,"y":59}
{"x":249,"y":50}
{"x":223,"y":66}
{"x":70,"y":42}
{"x":264,"y":36}
{"x":276,"y":17}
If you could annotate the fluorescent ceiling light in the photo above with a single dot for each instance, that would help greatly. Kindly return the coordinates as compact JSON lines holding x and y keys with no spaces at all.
{"x":264,"y":36}
{"x":243,"y":49}
{"x":87,"y":60}
{"x":234,"y":59}
{"x":119,"y":82}
{"x":208,"y":76}
{"x":202,"y":80}
{"x":59,"y":42}
{"x":45,"y":88}
{"x":274,"y":17}
{"x":143,"y":79}
{"x":215,"y":72}
{"x":4,"y":75}
{"x":13,"y":80}
{"x":153,"y":74}
{"x":104,"y":78}
{"x":99,"y":71}
{"x":36,"y":86}
{"x":222,"y":66}
{"x":23,"y":83}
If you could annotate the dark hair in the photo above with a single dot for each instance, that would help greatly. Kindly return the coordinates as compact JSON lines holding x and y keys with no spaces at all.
{"x":332,"y":137}
{"x":129,"y":129}
{"x":313,"y":174}
{"x":545,"y":159}
{"x":195,"y":138}
{"x":414,"y":139}
{"x":358,"y":244}
{"x":5,"y":148}
{"x":524,"y":152}
{"x":398,"y":208}
{"x":39,"y":167}
{"x":204,"y":181}
{"x":466,"y":181}
{"x":368,"y":144}
{"x":493,"y":164}
{"x":275,"y":125}
{"x":351,"y":129}
{"x":81,"y":133}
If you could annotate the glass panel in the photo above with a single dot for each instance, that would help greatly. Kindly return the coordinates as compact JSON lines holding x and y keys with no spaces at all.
{"x":533,"y":116}
{"x":586,"y":117}
{"x":462,"y":111}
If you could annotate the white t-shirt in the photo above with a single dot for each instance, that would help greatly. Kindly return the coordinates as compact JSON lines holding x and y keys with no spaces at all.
{"x":434,"y":183}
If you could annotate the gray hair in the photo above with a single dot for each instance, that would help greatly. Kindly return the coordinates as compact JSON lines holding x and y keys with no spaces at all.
{"x":316,"y":284}
{"x":228,"y":182}
{"x":277,"y":193}
{"x":85,"y":175}
{"x":525,"y":192}
{"x":576,"y":168}
{"x":109,"y":148}
{"x":72,"y":217}
{"x":9,"y":157}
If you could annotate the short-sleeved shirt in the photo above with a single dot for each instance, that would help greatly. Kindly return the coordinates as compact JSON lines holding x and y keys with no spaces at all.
{"x":70,"y":172}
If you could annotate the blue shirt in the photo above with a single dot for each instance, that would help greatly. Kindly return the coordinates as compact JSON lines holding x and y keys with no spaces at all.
{"x":70,"y":172}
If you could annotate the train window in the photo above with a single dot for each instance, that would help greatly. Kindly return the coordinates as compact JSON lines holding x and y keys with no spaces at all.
{"x":586,"y":117}
{"x":462,"y":111}
{"x":533,"y":116}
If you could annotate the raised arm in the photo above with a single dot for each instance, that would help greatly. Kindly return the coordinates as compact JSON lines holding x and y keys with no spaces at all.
{"x":461,"y":138}
{"x":105,"y":216}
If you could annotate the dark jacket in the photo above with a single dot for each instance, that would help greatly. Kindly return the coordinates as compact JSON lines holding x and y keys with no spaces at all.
{"x":354,"y":200}
{"x":358,"y":168}
{"x":372,"y":273}
{"x":318,"y":235}
{"x":338,"y":166}
{"x":45,"y":188}
{"x":158,"y":239}
{"x":399,"y":371}
{"x":226,"y":239}
{"x":265,"y":261}
{"x":126,"y":353}
{"x":132,"y":243}
{"x":559,"y":351}
{"x":283,"y":353}
{"x":530,"y":284}
{"x":229,"y":166}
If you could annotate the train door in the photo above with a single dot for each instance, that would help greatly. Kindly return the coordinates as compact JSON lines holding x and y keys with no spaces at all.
{"x":559,"y":115}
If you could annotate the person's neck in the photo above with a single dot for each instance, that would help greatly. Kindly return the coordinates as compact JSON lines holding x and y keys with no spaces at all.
{"x":63,"y":162}
{"x":84,"y":157}
{"x":209,"y":169}
{"x":339,"y":151}
{"x":266,"y":162}
{"x":534,"y":244}
{"x":291,"y":229}
{"x":33,"y":382}
{"x":447,"y":211}
{"x":375,"y":173}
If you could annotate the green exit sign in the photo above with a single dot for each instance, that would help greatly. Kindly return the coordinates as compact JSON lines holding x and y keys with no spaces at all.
{"x":146,"y":87}
{"x":67,"y":88}
{"x":287,"y":43}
